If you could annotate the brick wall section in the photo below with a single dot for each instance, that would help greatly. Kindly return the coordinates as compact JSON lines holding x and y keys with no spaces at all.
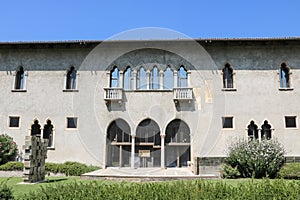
{"x":34,"y":160}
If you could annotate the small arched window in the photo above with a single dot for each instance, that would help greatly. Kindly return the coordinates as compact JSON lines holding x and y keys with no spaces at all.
{"x":20,"y":79}
{"x":154,"y":79}
{"x":114,"y":78}
{"x":284,"y":76}
{"x":227,"y":76}
{"x":182,"y":77}
{"x":168,"y":79}
{"x":128,"y":79}
{"x":266,"y":131}
{"x":71,"y":79}
{"x":252,"y":130}
{"x":141,"y":79}
{"x":36,"y":128}
{"x":48,"y":133}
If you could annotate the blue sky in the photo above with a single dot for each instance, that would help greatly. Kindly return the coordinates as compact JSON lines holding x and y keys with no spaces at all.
{"x":32,"y":20}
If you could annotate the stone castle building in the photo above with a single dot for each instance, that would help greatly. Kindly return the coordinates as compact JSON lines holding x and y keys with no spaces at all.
{"x":150,"y":103}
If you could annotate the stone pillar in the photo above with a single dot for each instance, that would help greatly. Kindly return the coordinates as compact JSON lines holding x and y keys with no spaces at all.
{"x":175,"y":79}
{"x":132,"y":150}
{"x":121,"y":81}
{"x":162,"y":155}
{"x":108,"y":78}
{"x":161,"y":79}
{"x":148,"y":79}
{"x":188,"y":78}
{"x":34,"y":159}
{"x":134,"y":79}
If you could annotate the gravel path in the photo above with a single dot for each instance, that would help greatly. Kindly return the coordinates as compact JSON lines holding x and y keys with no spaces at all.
{"x":20,"y":174}
{"x":11,"y":173}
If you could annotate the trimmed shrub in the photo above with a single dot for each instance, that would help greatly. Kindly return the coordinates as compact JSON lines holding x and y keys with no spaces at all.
{"x":5,"y":191}
{"x":69,"y":168}
{"x":12,"y":166}
{"x":256,"y":159}
{"x":290,"y":171}
{"x":8,"y":149}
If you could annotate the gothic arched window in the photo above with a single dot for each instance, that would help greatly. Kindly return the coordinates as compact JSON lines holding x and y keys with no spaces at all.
{"x":227,"y":76}
{"x":154,"y":79}
{"x":284,"y":76}
{"x":168,"y":79}
{"x":141,"y":79}
{"x":20,"y":79}
{"x":128,"y":79}
{"x":71,"y":79}
{"x":182,"y":77}
{"x":114,"y":78}
{"x":252,"y":130}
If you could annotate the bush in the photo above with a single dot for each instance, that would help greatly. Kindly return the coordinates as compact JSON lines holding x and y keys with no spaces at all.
{"x":69,"y":168}
{"x":256,"y":159}
{"x":290,"y":171}
{"x":12,"y":166}
{"x":230,"y":172}
{"x":8,"y":149}
{"x":5,"y":191}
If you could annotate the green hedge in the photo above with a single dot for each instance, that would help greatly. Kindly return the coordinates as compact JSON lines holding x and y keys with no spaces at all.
{"x":67,"y":168}
{"x":12,"y":166}
{"x":290,"y":171}
{"x":200,"y":189}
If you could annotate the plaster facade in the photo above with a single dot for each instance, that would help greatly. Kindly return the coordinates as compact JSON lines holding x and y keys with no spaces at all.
{"x":256,"y":94}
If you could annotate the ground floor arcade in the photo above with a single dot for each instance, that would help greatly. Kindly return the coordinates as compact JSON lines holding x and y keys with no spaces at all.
{"x":148,"y":146}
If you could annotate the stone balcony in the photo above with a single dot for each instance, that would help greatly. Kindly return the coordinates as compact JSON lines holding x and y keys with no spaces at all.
{"x":182,"y":94}
{"x":113,"y":94}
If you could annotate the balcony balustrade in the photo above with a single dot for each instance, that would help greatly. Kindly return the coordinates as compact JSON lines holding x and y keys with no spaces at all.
{"x":113,"y":94}
{"x":181,"y":94}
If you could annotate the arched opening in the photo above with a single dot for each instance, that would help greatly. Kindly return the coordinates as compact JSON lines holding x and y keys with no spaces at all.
{"x":35,"y":128}
{"x":20,"y":79}
{"x":128,"y":79}
{"x":284,"y":76}
{"x":148,"y":144}
{"x":114,"y":78}
{"x":182,"y":77}
{"x":168,"y":79}
{"x":118,"y":142}
{"x":252,"y":131}
{"x":71,"y":79}
{"x":177,"y":144}
{"x":141,"y":79}
{"x":227,"y":76}
{"x":154,"y":79}
{"x":48,"y":133}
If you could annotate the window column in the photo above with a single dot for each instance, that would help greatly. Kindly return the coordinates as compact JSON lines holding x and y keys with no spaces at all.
{"x":175,"y":79}
{"x":148,"y":79}
{"x":162,"y":152}
{"x":189,"y":78}
{"x":108,"y":78}
{"x":134,"y":79}
{"x":121,"y":84}
{"x":161,"y":79}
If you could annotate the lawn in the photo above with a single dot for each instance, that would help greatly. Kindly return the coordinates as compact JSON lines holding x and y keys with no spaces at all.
{"x":19,"y":189}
